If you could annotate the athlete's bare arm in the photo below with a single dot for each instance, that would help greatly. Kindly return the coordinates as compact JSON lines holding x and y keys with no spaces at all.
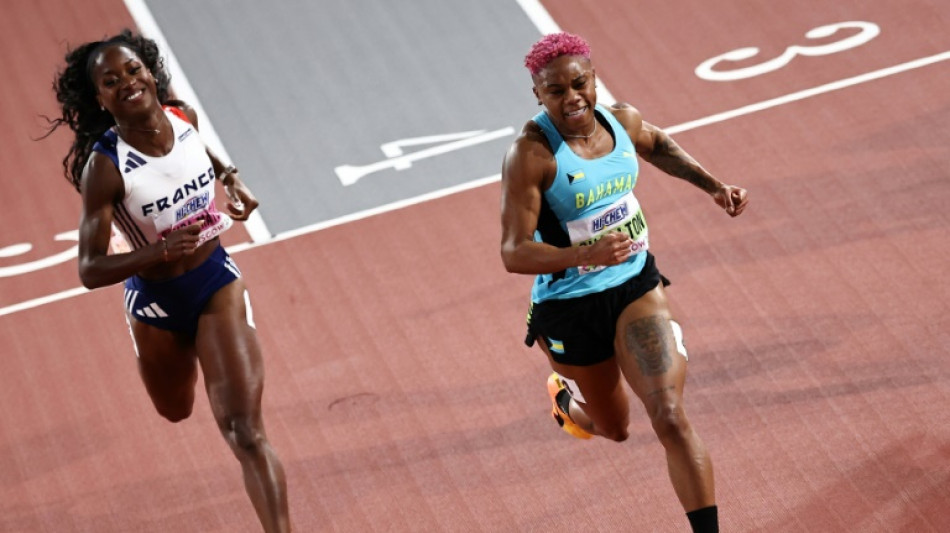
{"x":660,"y":150}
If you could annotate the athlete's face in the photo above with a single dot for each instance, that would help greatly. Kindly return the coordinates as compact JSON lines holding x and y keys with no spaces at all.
{"x":567,"y":89}
{"x":124,"y":84}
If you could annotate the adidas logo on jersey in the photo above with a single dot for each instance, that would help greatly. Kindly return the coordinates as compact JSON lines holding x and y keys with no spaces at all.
{"x":133,"y":162}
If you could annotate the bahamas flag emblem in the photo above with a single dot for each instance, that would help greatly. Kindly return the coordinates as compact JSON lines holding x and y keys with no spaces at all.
{"x":575,"y":176}
{"x":555,"y":345}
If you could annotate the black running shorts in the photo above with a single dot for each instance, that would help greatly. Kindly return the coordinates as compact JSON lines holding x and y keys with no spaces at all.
{"x":580,"y":331}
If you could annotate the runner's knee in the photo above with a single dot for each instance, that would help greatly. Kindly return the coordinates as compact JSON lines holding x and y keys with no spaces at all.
{"x":670,"y":423}
{"x":242,"y":433}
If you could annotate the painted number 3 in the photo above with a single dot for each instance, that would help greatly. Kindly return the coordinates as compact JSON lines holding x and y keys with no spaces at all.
{"x":866,"y":32}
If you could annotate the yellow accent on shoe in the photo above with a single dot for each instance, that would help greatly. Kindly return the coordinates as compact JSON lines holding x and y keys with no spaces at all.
{"x":563,"y":419}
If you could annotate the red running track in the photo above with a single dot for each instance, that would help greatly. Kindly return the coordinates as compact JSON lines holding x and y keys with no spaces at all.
{"x":398,"y":393}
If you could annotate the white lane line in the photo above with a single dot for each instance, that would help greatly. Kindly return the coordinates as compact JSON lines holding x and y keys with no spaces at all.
{"x":448,"y":191}
{"x":43,"y":300}
{"x":539,"y":16}
{"x":808,"y":93}
{"x":146,"y":23}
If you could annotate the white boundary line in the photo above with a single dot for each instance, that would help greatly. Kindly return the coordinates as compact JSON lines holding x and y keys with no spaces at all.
{"x":43,"y":300}
{"x":808,"y":93}
{"x":254,"y":225}
{"x":474,"y":184}
{"x":712,"y":119}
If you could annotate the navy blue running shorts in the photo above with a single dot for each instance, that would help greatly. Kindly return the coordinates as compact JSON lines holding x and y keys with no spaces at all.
{"x":580,"y":331}
{"x":175,"y":304}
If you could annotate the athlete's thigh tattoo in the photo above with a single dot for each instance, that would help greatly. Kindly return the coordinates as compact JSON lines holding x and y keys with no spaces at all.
{"x":650,"y":340}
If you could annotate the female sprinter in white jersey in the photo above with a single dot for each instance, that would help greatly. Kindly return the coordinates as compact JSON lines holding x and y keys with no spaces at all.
{"x":140,"y":165}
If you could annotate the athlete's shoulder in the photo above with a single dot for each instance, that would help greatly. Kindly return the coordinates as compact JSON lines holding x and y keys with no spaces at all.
{"x":531,"y":142}
{"x":108,"y":145}
{"x":533,"y":133}
{"x":101,"y":178}
{"x":626,"y":114}
{"x":182,"y":110}
{"x":530,"y":156}
{"x":629,"y":117}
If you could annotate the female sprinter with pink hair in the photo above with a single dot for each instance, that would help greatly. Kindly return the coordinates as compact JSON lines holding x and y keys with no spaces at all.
{"x":599,"y":310}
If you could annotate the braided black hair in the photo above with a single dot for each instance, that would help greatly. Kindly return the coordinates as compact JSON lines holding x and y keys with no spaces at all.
{"x":76,"y":94}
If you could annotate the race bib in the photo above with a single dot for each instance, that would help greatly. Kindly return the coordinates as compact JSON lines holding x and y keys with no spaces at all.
{"x":623,"y":215}
{"x":200,"y":210}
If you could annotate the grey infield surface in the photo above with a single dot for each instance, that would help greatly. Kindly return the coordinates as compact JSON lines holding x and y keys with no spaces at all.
{"x":297,"y":88}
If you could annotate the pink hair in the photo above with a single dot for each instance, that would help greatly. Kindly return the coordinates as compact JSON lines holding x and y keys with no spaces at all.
{"x":553,"y":46}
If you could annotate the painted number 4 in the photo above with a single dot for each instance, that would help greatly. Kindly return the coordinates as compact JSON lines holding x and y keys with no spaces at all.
{"x":866,"y":31}
{"x":350,"y":174}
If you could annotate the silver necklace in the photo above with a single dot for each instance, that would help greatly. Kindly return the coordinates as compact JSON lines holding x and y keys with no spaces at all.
{"x":153,"y":131}
{"x":588,"y":136}
{"x":145,"y":130}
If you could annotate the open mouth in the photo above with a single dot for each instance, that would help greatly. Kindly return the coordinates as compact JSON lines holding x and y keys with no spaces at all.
{"x":135,"y":95}
{"x":576,"y":113}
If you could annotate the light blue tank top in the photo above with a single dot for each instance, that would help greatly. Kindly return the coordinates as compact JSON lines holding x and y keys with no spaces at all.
{"x":588,"y":199}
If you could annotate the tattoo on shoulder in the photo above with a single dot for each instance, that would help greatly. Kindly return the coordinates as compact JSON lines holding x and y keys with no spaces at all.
{"x":650,"y":340}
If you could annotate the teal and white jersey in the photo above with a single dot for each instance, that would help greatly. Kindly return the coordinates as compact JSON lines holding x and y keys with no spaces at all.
{"x":588,"y":199}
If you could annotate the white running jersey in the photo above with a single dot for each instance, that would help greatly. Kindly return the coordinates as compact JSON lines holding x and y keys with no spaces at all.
{"x":165,"y":193}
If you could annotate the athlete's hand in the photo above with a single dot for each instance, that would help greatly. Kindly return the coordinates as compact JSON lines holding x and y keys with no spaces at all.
{"x":181,"y":242}
{"x":611,"y":249}
{"x":241,"y":202}
{"x":732,"y":199}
